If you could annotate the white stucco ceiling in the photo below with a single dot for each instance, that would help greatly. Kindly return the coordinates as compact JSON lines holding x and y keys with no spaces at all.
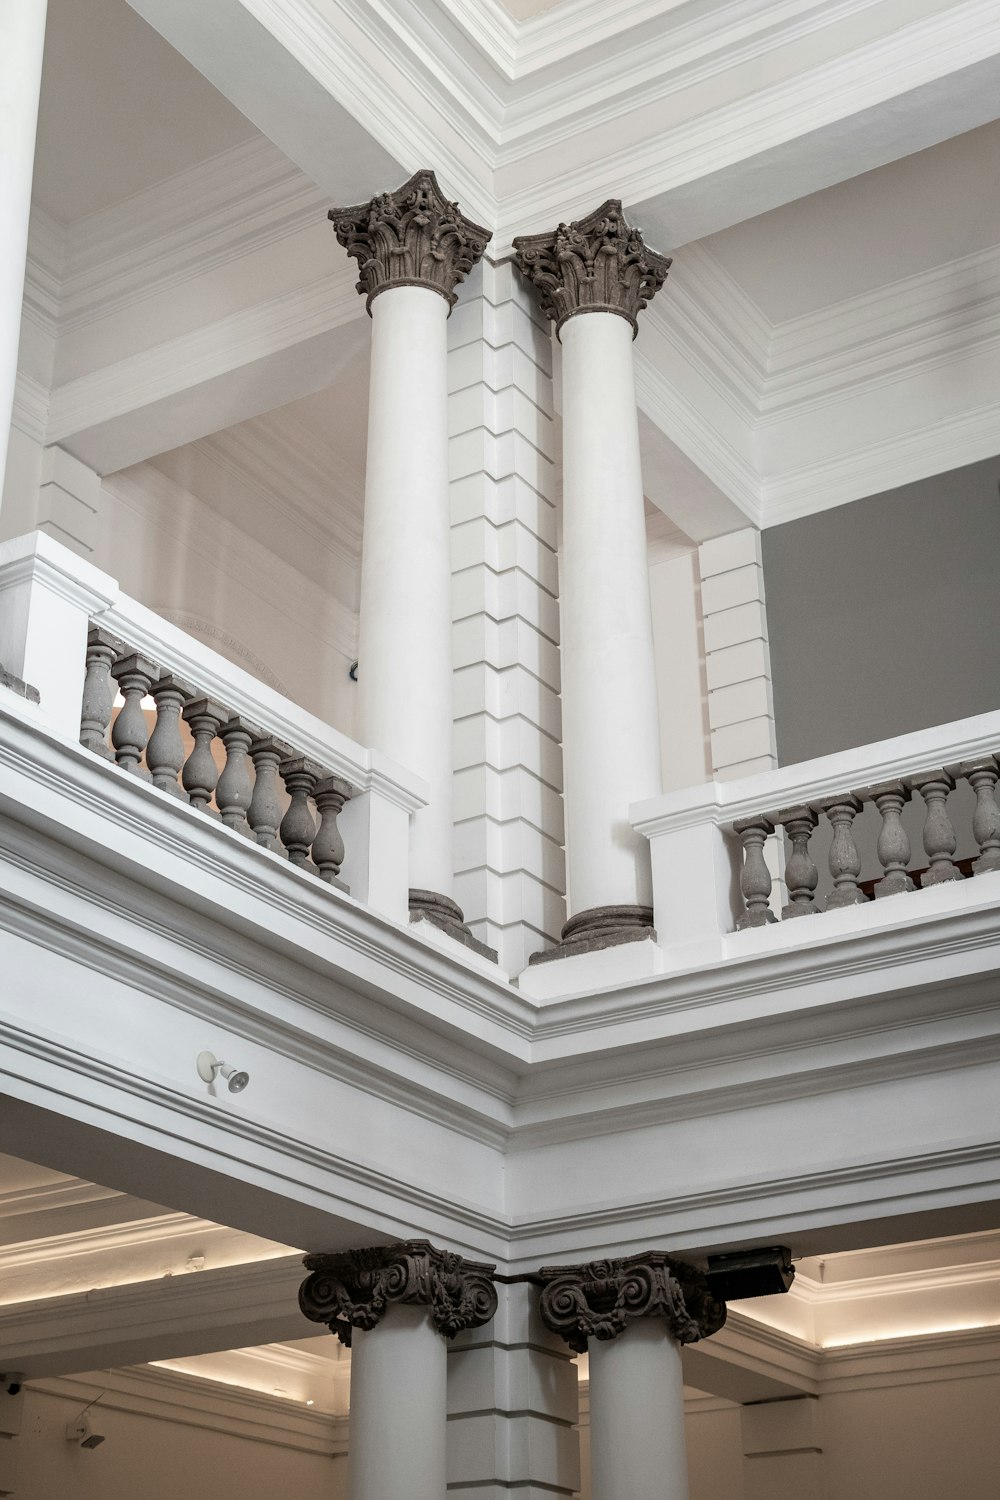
{"x":922,"y":211}
{"x":120,"y":109}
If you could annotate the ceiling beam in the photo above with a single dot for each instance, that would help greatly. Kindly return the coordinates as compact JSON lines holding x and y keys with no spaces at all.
{"x":199,"y":1313}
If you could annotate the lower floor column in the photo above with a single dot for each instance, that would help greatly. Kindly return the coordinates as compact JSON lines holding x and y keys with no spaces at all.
{"x":405,"y":1301}
{"x":632,"y":1315}
{"x":637,"y":1415}
{"x":398,"y":1409}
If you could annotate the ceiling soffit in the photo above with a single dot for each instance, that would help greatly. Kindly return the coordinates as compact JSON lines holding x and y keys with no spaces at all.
{"x":645,"y":100}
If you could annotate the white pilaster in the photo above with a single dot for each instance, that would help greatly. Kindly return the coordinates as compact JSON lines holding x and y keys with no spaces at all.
{"x":637,"y":1415}
{"x":404,"y":642}
{"x":783,"y":1450}
{"x":22,"y":37}
{"x":611,"y":745}
{"x":398,"y":1409}
{"x":510,"y":873}
{"x":512,"y":1406}
{"x":737,"y":659}
{"x":69,"y":497}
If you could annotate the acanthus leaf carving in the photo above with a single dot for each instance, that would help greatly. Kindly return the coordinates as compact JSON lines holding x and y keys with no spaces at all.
{"x":355,"y":1288}
{"x":411,"y":237}
{"x":597,"y":264}
{"x":601,"y":1298}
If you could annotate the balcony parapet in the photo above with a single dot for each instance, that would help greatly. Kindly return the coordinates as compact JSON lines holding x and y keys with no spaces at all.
{"x":709,"y":844}
{"x":70,"y":632}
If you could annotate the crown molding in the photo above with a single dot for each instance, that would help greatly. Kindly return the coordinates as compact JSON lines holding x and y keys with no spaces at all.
{"x":163,"y":1393}
{"x":30,"y":414}
{"x":226,"y":207}
{"x":203,"y":355}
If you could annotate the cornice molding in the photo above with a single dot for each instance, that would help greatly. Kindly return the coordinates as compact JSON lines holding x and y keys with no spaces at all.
{"x":162,"y":1393}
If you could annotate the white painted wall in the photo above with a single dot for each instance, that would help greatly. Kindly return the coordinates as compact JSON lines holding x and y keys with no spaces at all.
{"x":902,"y":1441}
{"x":679,"y":651}
{"x":228,"y":1448}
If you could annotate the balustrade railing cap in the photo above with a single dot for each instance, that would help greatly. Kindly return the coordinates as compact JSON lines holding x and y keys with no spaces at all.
{"x":206,"y":708}
{"x":135,"y":662}
{"x":169,"y":683}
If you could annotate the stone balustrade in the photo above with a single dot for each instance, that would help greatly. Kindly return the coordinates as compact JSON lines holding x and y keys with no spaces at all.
{"x":913,"y":813}
{"x":204,"y":753}
{"x":893,"y":846}
{"x":140,"y":694}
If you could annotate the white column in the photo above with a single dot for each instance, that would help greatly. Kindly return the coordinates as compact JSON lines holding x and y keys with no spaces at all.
{"x":22,"y":36}
{"x":611,"y":742}
{"x":637,"y":1415}
{"x":413,"y":249}
{"x":404,"y":642}
{"x":398,"y":1409}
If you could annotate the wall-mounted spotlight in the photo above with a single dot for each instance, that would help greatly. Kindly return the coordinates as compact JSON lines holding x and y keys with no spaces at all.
{"x":750,"y":1273}
{"x":209,"y":1068}
{"x":79,"y":1431}
{"x":12,"y":1382}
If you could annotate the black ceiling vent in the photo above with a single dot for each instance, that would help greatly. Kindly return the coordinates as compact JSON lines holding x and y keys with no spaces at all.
{"x":750,"y":1273}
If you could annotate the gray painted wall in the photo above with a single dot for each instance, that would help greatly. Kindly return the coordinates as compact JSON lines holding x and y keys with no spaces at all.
{"x":883,"y":615}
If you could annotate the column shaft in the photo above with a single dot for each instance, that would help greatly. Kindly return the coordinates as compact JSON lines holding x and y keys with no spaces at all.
{"x":398,"y":1409}
{"x":405,"y":672}
{"x":22,"y":36}
{"x":637,"y":1415}
{"x":611,"y":744}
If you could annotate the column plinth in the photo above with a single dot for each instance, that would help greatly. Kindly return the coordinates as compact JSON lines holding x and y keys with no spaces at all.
{"x":413,"y":248}
{"x":633,"y":1314}
{"x":593,"y":278}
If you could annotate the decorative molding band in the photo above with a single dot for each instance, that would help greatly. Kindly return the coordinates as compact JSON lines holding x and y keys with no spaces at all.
{"x":161,"y":1393}
{"x":354,"y":1290}
{"x":599,"y":1300}
{"x":192,"y":359}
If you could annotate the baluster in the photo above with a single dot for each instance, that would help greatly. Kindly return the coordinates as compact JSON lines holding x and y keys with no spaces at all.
{"x":755,"y":877}
{"x":801,"y":874}
{"x":298,"y":826}
{"x":982,"y":777}
{"x":264,"y":813}
{"x":103,"y":650}
{"x":165,"y":751}
{"x":893,"y":844}
{"x":206,"y":718}
{"x":328,"y":846}
{"x":135,"y":675}
{"x":939,"y":835}
{"x":235,"y":788}
{"x":845,"y":861}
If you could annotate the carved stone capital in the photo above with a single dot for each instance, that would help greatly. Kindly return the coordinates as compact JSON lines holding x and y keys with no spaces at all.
{"x":412,"y":237}
{"x":600,"y":1299}
{"x":354,"y":1289}
{"x":596,"y":264}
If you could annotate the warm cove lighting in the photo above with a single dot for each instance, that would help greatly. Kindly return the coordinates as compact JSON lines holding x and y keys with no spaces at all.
{"x":906,"y":1333}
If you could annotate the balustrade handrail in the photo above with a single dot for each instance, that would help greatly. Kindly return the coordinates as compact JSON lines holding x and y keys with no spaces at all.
{"x":726,"y":802}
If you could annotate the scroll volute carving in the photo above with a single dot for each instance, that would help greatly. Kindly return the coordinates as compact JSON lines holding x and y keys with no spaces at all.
{"x":597,"y":264}
{"x":354,"y":1289}
{"x":600,"y":1299}
{"x":412,"y":237}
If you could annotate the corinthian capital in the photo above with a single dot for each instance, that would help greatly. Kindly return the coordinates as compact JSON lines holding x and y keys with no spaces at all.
{"x":599,"y":1300}
{"x":354,"y":1289}
{"x":412,"y":237}
{"x":596,"y":264}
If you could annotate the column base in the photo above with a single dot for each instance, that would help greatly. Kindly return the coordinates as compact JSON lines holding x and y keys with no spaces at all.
{"x":600,"y":927}
{"x":18,"y":686}
{"x":447,"y":916}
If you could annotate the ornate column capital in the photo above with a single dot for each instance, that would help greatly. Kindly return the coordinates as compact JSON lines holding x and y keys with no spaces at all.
{"x":601,"y":1298}
{"x":597,"y":264}
{"x":412,"y":237}
{"x":354,"y":1289}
